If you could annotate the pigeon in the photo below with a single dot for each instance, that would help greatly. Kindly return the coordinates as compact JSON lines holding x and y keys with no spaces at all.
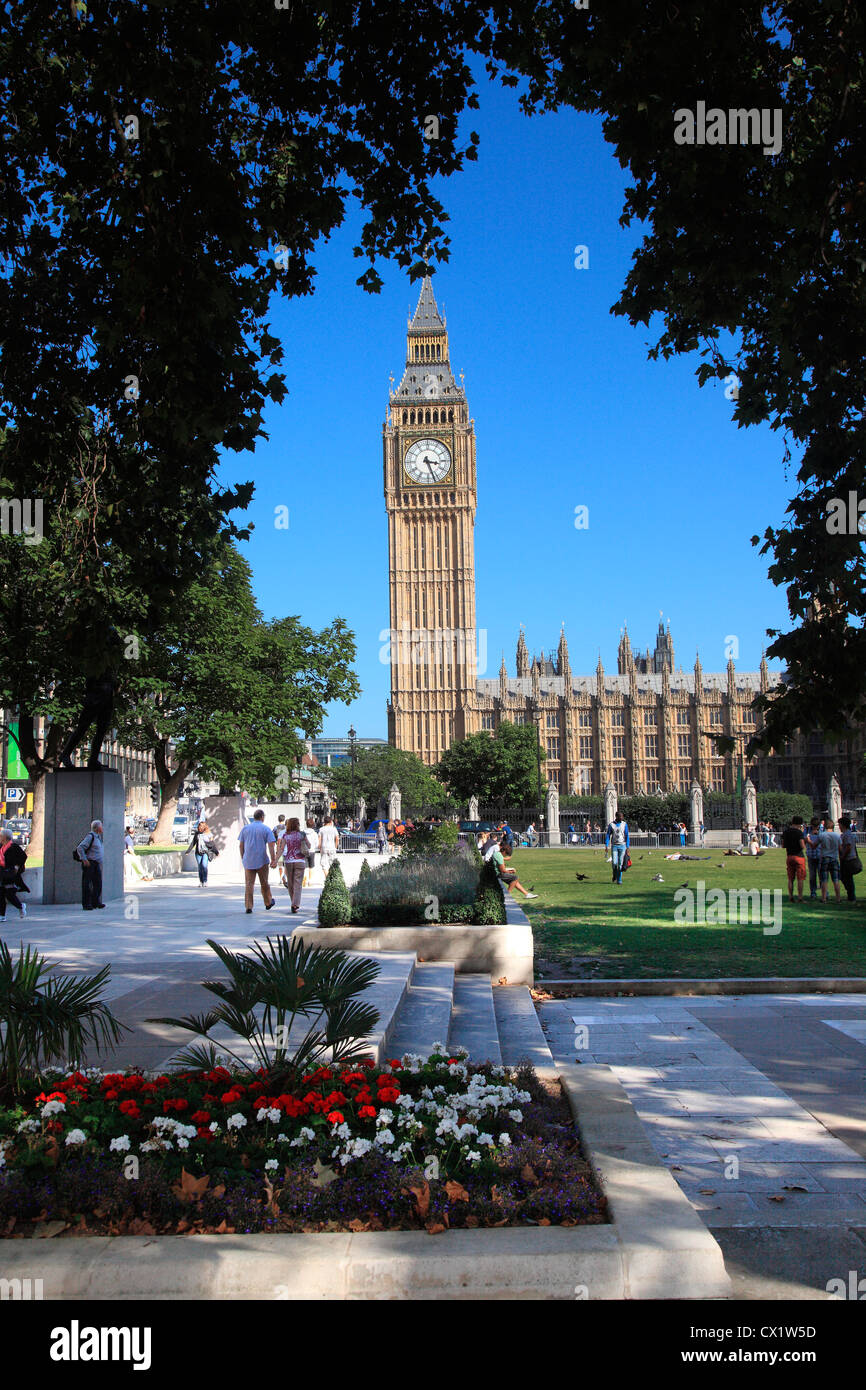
{"x":657,"y":878}
{"x":581,"y":878}
{"x":684,"y":885}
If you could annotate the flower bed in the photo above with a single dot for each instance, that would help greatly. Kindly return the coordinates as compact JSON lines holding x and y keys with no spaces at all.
{"x":431,"y":1143}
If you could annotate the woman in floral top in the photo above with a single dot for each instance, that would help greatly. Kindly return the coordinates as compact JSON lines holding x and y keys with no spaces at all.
{"x":292,"y":849}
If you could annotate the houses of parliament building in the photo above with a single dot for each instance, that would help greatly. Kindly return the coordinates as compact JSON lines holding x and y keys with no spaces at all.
{"x":646,"y":726}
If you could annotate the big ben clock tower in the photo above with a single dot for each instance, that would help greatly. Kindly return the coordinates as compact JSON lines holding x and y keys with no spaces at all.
{"x":429,"y":465}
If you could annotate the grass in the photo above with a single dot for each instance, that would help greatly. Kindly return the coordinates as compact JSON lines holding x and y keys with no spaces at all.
{"x":631,"y":930}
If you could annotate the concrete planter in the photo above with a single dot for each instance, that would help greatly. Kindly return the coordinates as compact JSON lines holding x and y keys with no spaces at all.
{"x":495,"y":951}
{"x":166,"y":863}
{"x":655,"y":1245}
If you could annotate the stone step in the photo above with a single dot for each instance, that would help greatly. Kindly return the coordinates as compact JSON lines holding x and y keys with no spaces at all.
{"x":425,"y":1014}
{"x":386,"y":994}
{"x":521,"y":1037}
{"x":473,"y":1019}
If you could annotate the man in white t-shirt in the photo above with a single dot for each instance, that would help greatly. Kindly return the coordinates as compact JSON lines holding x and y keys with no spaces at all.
{"x":258,"y":855}
{"x":329,"y":843}
{"x":829,"y":842}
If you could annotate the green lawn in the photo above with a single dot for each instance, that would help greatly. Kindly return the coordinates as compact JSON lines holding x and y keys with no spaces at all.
{"x":631,"y":929}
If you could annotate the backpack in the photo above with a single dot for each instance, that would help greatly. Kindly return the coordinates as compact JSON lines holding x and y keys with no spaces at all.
{"x":75,"y":854}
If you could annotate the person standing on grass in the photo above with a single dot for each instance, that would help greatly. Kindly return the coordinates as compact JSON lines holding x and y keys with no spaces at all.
{"x":257,"y":856}
{"x":507,"y":875}
{"x":293,"y":850}
{"x":848,"y":857}
{"x":616,"y":840}
{"x":829,"y":841}
{"x":813,"y":854}
{"x":91,"y":855}
{"x":329,"y":844}
{"x":794,"y":845}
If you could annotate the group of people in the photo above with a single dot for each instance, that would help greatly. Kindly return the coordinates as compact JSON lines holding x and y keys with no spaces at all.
{"x":291,"y":851}
{"x":827,"y":854}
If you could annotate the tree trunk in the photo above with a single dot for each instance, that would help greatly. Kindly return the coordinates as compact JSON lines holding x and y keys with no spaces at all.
{"x":169,"y":781}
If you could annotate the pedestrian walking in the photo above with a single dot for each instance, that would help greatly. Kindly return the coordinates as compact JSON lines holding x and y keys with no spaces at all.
{"x":849,"y":859}
{"x":329,"y":844}
{"x":829,"y":841}
{"x":311,"y":835}
{"x":381,"y":836}
{"x":813,"y":854}
{"x":257,"y":844}
{"x":279,"y":831}
{"x":794,"y":845}
{"x":91,"y":855}
{"x":532,"y":835}
{"x":12,"y":861}
{"x":616,"y":839}
{"x":202,"y":846}
{"x":292,"y":849}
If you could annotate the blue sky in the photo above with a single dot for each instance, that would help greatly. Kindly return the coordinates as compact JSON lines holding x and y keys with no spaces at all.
{"x":568,"y":412}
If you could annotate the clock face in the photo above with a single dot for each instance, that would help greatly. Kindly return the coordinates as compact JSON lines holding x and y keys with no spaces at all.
{"x":427,"y":461}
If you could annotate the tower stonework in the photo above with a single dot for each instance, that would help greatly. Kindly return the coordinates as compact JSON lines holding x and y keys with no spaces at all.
{"x":430,"y":493}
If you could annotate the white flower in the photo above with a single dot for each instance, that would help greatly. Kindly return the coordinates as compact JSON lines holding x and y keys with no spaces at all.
{"x":515,"y":1115}
{"x":214,"y":1127}
{"x":270,"y":1165}
{"x":485,"y":1139}
{"x":52,"y":1107}
{"x":343,"y":1131}
{"x":28,"y":1126}
{"x":282,"y":1139}
{"x":182,"y":1143}
{"x":505,"y":1141}
{"x":120,"y":1144}
{"x":473,"y":1156}
{"x":384,"y":1117}
{"x":76,"y":1136}
{"x":236,"y":1121}
{"x":405,"y":1102}
{"x":148,"y":1146}
{"x":384,"y":1137}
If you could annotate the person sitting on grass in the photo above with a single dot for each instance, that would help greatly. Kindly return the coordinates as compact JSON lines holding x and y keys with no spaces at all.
{"x":506,"y":874}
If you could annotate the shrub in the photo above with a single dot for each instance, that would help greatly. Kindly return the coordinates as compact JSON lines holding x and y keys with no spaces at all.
{"x":270,"y":989}
{"x":779,"y":807}
{"x":489,"y":897}
{"x":408,"y":890}
{"x":48,"y":1019}
{"x":425,"y":840}
{"x":334,"y":906}
{"x":365,"y":869}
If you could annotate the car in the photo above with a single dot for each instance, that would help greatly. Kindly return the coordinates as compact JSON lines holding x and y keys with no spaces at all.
{"x":180,"y":831}
{"x":19,"y":828}
{"x":356,"y":840}
{"x":475,"y":827}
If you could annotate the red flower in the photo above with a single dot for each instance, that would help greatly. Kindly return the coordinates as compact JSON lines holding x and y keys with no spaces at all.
{"x":204,"y":1133}
{"x":201,"y":1117}
{"x":367,"y":1112}
{"x":230,"y":1097}
{"x":163,"y":1081}
{"x":111,"y":1095}
{"x":387,"y":1095}
{"x":130,"y":1108}
{"x":395,"y":1064}
{"x":335,"y":1098}
{"x":262,"y":1103}
{"x":178,"y":1104}
{"x":336,"y":1117}
{"x":218,"y":1074}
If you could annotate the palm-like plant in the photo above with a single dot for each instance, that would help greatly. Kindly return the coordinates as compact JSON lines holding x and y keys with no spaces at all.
{"x":48,"y":1018}
{"x":267,"y":991}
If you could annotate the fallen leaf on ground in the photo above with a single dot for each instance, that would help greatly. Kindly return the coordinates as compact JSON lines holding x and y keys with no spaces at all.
{"x":322,"y":1175}
{"x":527,"y":1173}
{"x":434,"y":1228}
{"x":421,"y":1193}
{"x":357,"y":1225}
{"x":777,"y":1198}
{"x":707,"y":1191}
{"x":140,"y":1228}
{"x":45,"y":1229}
{"x":544,"y":1220}
{"x":472,"y":1222}
{"x":495,"y":1196}
{"x":456,"y":1192}
{"x":796,"y":1189}
{"x":190,"y":1188}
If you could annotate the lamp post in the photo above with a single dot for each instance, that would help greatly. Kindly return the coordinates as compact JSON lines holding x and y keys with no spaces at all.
{"x":538,"y":755}
{"x":352,"y":756}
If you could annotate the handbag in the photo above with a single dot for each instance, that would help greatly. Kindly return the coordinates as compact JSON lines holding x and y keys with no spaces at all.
{"x":856,"y":864}
{"x":627,"y":864}
{"x":211,"y":850}
{"x":75,"y":854}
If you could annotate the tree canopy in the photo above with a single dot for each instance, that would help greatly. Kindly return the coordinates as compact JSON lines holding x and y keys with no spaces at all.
{"x":500,"y":768}
{"x":377,"y":770}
